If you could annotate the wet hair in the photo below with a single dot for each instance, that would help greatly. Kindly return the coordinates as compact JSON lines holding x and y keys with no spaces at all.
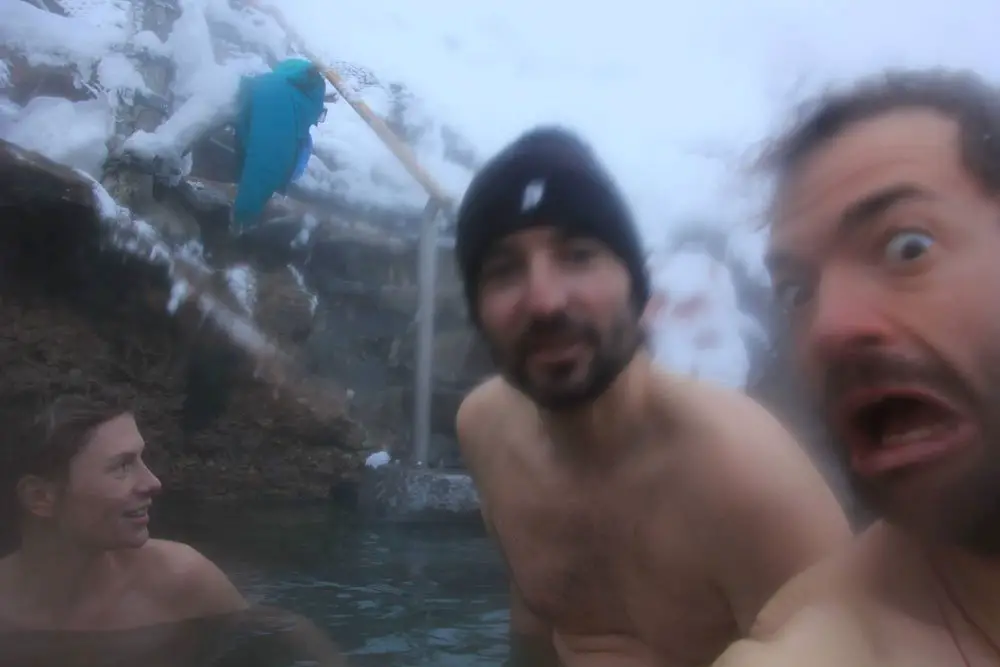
{"x":960,"y":95}
{"x":44,"y":442}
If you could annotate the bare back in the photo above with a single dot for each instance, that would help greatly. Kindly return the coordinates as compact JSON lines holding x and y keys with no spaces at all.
{"x":647,"y":562}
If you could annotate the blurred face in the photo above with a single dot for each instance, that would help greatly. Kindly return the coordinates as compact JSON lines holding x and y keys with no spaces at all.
{"x":886,"y":254}
{"x":557,"y":313}
{"x":104,"y":502}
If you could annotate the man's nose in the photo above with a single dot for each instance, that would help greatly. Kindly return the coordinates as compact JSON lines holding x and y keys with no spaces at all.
{"x":149,"y":484}
{"x":546,"y":289}
{"x":849,"y":315}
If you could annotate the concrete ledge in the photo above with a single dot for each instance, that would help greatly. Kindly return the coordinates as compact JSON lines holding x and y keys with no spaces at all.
{"x":400,"y":493}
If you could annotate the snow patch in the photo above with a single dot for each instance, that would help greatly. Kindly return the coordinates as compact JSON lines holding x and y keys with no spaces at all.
{"x":309,"y":223}
{"x":192,"y":250}
{"x":75,"y":134}
{"x":113,"y":14}
{"x":172,"y":140}
{"x":243,"y":284}
{"x":119,"y":77}
{"x":253,"y":26}
{"x":377,"y":459}
{"x":107,"y":208}
{"x":149,"y":42}
{"x":301,"y":282}
{"x":206,"y":89}
{"x":698,"y":328}
{"x":178,"y":295}
{"x":44,"y":38}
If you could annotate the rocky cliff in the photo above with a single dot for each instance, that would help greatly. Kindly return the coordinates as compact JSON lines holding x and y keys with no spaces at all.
{"x":270,"y":364}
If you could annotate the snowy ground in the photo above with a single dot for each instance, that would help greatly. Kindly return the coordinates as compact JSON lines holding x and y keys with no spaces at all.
{"x":674,"y":96}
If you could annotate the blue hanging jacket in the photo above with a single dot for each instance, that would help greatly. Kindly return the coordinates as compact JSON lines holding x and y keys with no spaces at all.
{"x":276,"y":111}
{"x":304,"y":154}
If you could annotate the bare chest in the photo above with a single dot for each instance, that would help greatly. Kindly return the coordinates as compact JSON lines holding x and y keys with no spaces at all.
{"x":611,"y":564}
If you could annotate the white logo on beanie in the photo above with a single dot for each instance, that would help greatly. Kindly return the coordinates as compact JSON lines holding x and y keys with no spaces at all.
{"x":533,"y":193}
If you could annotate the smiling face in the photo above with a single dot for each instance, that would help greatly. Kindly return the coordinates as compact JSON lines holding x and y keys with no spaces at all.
{"x":886,"y":253}
{"x":558,"y":315}
{"x":103,"y":499}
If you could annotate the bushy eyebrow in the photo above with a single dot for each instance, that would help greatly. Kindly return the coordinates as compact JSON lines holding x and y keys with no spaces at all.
{"x":858,"y":215}
{"x":872,"y":207}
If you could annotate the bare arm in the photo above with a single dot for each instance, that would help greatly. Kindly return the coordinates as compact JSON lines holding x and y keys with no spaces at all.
{"x":530,"y":638}
{"x":773,"y":514}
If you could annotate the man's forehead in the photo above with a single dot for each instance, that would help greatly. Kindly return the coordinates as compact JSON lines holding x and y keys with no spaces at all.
{"x":114,"y":436}
{"x":898,"y":152}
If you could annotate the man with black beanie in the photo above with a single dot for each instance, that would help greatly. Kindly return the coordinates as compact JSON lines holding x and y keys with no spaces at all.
{"x":644,"y":518}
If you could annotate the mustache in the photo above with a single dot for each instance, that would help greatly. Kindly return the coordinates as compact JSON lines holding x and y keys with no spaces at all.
{"x":559,"y":326}
{"x":863,"y":370}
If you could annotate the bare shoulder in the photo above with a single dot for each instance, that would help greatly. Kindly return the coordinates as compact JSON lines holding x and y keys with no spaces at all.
{"x":729,"y":415}
{"x":745,"y":464}
{"x":485,"y":401}
{"x":739,"y":440}
{"x":479,"y":417}
{"x":187,"y":582}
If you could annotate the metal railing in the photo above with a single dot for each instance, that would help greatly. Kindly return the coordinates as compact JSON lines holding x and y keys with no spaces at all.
{"x":439,"y":203}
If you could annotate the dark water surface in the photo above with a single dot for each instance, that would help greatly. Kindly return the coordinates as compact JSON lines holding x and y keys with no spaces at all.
{"x":394,"y":595}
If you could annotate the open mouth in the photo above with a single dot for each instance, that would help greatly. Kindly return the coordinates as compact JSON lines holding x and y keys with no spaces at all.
{"x":891,"y":429}
{"x":554,"y":353}
{"x":140,"y":513}
{"x":555,"y":350}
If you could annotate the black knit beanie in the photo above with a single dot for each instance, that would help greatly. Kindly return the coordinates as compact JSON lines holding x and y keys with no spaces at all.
{"x":548,"y":176}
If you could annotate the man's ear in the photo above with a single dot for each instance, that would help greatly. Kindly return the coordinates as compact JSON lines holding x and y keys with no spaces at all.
{"x":37,"y":496}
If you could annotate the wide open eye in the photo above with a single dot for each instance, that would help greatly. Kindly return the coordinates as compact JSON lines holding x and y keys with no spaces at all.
{"x":907,"y":246}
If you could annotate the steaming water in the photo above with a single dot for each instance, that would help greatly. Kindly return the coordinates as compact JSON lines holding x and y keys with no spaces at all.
{"x":388,"y":595}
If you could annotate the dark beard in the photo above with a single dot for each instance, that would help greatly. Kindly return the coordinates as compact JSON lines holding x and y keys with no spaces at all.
{"x":612,"y":353}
